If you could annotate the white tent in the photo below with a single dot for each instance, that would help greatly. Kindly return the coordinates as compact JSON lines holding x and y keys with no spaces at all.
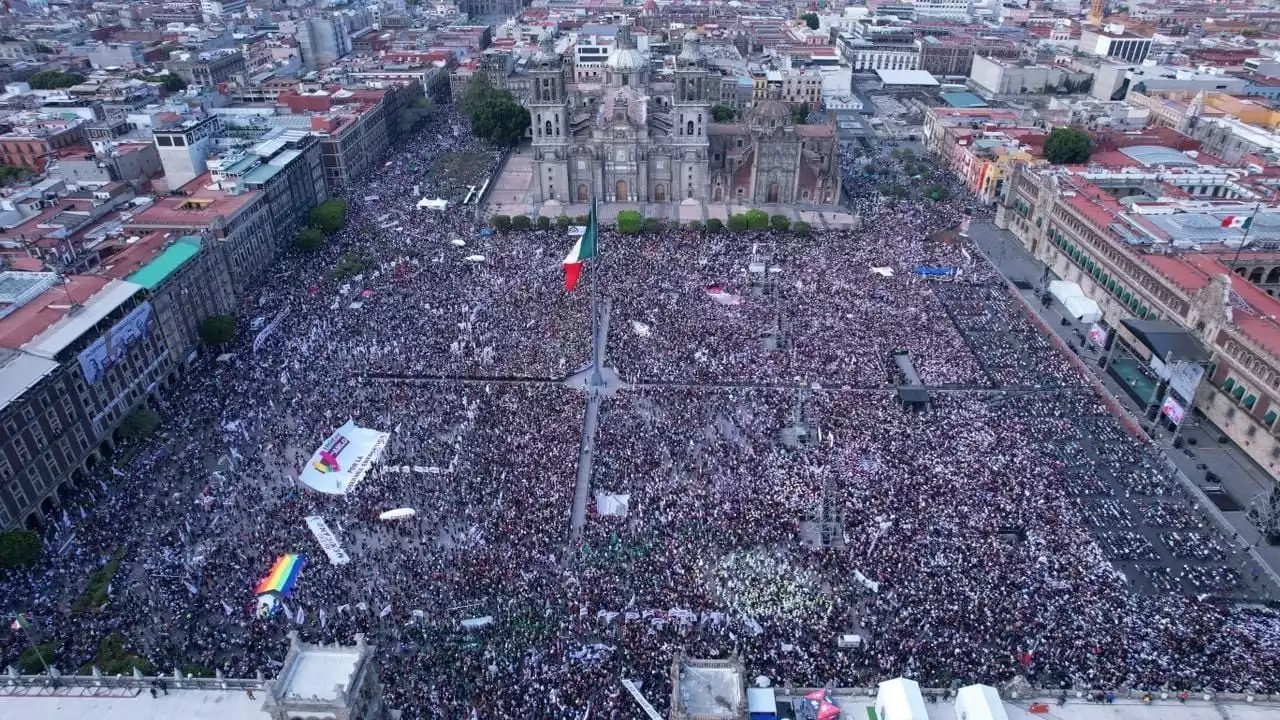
{"x":1083,"y":309}
{"x":433,"y":204}
{"x":980,"y":702}
{"x":900,"y":699}
{"x":1075,"y":301}
{"x":612,"y":503}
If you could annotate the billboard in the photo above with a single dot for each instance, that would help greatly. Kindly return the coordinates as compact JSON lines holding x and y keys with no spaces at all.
{"x":111,"y":347}
{"x":1098,"y":335}
{"x":1184,"y":378}
{"x":1172,"y":410}
{"x":344,"y":459}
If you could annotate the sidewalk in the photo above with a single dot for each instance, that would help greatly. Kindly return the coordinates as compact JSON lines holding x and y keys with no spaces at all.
{"x":1240,"y":477}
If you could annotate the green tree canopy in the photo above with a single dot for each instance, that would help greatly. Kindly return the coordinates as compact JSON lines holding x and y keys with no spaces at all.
{"x":779,"y":222}
{"x":10,"y":174}
{"x":140,"y":423}
{"x":310,"y":239}
{"x":811,"y":19}
{"x":19,"y":549}
{"x":800,"y":114}
{"x":629,"y":222}
{"x":53,"y":80}
{"x":1068,"y":146}
{"x":218,"y":329}
{"x":757,"y":220}
{"x":414,"y":113}
{"x":495,"y":115}
{"x":738,"y":222}
{"x":329,"y":216}
{"x":174,"y":83}
{"x":722,"y":113}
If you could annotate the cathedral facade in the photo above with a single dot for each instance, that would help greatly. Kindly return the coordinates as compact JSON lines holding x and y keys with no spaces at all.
{"x":639,"y":139}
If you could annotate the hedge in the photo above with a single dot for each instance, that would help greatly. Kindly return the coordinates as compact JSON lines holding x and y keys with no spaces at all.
{"x":738,"y":222}
{"x":500,"y":222}
{"x":780,"y":222}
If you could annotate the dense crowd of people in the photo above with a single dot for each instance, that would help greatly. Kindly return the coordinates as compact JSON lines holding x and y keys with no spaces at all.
{"x":1012,"y":529}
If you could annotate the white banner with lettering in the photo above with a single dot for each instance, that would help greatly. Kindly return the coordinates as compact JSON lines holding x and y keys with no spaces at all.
{"x":328,"y":541}
{"x":343,"y":459}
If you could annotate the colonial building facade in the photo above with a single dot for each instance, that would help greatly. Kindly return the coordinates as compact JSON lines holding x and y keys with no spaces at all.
{"x":636,"y":139}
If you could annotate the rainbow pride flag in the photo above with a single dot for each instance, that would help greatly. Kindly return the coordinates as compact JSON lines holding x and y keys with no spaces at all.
{"x":283,"y":575}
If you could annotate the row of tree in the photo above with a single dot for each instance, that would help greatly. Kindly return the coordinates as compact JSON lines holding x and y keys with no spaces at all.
{"x":631,"y":222}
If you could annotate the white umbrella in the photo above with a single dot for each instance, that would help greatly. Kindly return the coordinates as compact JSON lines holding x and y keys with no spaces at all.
{"x":474,"y":258}
{"x":458,"y":242}
{"x":398,"y":514}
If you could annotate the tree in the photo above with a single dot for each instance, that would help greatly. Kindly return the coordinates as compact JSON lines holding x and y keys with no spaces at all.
{"x":351,"y":264}
{"x":652,"y":225}
{"x":310,"y":239}
{"x":779,"y":222}
{"x":19,"y":549}
{"x":53,"y":80}
{"x":218,"y":329}
{"x":140,"y":423}
{"x":544,"y":222}
{"x":757,"y":220}
{"x":413,"y":113}
{"x":29,"y":662}
{"x":563,"y":222}
{"x":738,"y":222}
{"x":174,"y":83}
{"x":495,"y":115}
{"x":329,"y":216}
{"x":722,"y":113}
{"x":714,"y":225}
{"x":811,"y":19}
{"x":521,"y":222}
{"x":500,"y":222}
{"x":629,"y":222}
{"x":1068,"y":146}
{"x":937,"y":192}
{"x":10,"y":174}
{"x":800,"y":114}
{"x":801,"y":227}
{"x":695,"y":225}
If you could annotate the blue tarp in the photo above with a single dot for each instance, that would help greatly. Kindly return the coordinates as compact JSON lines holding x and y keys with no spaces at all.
{"x":486,"y":232}
{"x":937,"y":271}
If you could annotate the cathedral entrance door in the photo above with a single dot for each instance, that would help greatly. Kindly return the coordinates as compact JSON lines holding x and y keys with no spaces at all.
{"x":582,"y":193}
{"x":772,"y":195}
{"x":620,"y":191}
{"x":659,"y":193}
{"x":719,"y":195}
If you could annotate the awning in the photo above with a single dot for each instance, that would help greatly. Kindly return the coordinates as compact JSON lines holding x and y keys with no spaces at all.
{"x":1168,"y":341}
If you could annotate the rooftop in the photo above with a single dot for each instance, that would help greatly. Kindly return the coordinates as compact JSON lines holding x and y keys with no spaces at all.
{"x":152,"y":260}
{"x":317,"y":671}
{"x":202,"y":203}
{"x":185,"y":704}
{"x":51,"y":306}
{"x":18,"y":372}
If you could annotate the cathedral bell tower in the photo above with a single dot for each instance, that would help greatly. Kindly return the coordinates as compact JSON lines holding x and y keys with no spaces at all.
{"x":549,"y":110}
{"x":691,"y":111}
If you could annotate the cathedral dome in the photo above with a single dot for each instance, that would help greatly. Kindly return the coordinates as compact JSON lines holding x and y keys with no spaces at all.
{"x":626,"y":60}
{"x":772,"y":111}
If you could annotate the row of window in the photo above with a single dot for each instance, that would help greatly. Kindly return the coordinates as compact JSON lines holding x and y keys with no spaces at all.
{"x":1103,"y":279}
{"x":1241,"y":394}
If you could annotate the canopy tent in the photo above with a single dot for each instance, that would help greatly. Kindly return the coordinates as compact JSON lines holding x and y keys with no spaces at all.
{"x":433,"y":204}
{"x":762,"y":703}
{"x":1075,"y":301}
{"x":1168,"y":341}
{"x":980,"y":702}
{"x":612,"y":503}
{"x":900,"y":699}
{"x":1083,"y":309}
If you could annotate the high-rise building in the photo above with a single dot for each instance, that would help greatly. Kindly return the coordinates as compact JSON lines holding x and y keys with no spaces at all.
{"x":184,"y":149}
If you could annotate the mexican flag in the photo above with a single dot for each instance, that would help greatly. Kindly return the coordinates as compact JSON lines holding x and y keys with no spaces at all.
{"x":1237,"y":221}
{"x":21,"y":621}
{"x":583,"y":249}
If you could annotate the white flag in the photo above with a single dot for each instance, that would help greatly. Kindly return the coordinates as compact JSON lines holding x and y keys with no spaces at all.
{"x":227,"y":608}
{"x":362,"y":606}
{"x":343,"y":608}
{"x":302,"y":616}
{"x":324,"y":618}
{"x":191,"y":588}
{"x":385,"y":611}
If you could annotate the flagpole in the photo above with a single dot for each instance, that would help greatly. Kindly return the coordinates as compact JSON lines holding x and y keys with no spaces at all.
{"x":596,"y":379}
{"x":32,"y":643}
{"x":1256,"y":207}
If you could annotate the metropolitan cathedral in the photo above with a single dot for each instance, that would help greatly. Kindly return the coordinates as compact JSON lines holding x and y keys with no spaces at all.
{"x":637,"y":138}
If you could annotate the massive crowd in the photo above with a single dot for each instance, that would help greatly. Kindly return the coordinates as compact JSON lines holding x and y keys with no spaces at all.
{"x":1001,"y":533}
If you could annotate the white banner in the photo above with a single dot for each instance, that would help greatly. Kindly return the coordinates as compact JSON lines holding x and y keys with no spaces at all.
{"x":1098,"y":335}
{"x":112,"y":345}
{"x":1184,"y":378}
{"x":343,"y":459}
{"x":328,"y":541}
{"x":265,"y":332}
